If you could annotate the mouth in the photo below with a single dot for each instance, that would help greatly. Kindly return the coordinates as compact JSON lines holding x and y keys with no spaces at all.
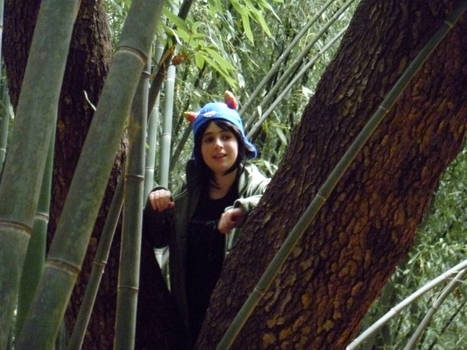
{"x":219,"y":156}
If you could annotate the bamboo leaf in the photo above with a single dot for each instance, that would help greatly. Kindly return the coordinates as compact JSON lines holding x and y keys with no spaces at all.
{"x":174,"y":19}
{"x":260,"y":19}
{"x":247,"y":27}
{"x":199,"y":59}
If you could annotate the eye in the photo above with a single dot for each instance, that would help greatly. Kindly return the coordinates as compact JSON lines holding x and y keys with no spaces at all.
{"x":208,"y":139}
{"x":226,"y":136}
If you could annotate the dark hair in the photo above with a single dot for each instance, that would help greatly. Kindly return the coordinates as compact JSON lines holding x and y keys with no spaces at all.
{"x":207,"y":176}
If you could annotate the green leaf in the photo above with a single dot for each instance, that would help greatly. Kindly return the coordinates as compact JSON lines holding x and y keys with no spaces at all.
{"x":247,"y":28}
{"x":199,"y":60}
{"x":259,"y":17}
{"x":174,"y":19}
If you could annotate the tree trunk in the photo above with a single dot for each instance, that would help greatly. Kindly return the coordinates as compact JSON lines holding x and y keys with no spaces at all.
{"x":88,"y":62}
{"x":368,"y":224}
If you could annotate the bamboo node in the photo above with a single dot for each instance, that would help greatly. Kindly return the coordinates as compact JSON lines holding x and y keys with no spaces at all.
{"x":135,"y":52}
{"x":259,"y":290}
{"x":41,"y":215}
{"x":449,"y":23}
{"x":381,"y":106}
{"x":100,"y":263}
{"x":125,"y":286}
{"x":23,"y":228}
{"x":63,"y":266}
{"x":321,"y":197}
{"x":139,"y":178}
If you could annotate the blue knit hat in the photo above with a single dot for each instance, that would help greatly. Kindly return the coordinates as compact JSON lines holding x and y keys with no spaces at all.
{"x":220,"y":111}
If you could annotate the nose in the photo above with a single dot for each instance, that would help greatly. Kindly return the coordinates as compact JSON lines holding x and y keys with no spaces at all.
{"x":218,"y":142}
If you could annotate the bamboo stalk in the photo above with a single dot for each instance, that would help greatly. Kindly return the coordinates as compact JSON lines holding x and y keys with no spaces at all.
{"x":448,"y":323}
{"x":35,"y":255}
{"x":4,"y":118}
{"x":179,"y":148}
{"x":4,"y":123}
{"x":153,"y":126}
{"x":130,"y":248}
{"x":186,"y":132}
{"x":283,"y":56}
{"x":404,"y":303}
{"x":99,"y":263}
{"x":426,"y":320}
{"x":68,"y":248}
{"x":36,"y":114}
{"x":327,"y":187}
{"x":297,"y":76}
{"x":167,"y":58}
{"x":167,"y":127}
{"x":296,"y":63}
{"x":2,"y":5}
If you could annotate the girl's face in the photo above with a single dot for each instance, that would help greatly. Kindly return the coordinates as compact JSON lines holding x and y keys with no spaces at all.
{"x":219,"y":149}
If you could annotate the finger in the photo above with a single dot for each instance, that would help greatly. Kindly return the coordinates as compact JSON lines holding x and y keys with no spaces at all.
{"x":221,"y":225}
{"x":152,"y":201}
{"x":238,"y":215}
{"x":162,"y":204}
{"x":225,"y":224}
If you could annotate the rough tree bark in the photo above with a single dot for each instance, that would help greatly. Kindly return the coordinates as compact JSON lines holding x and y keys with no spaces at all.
{"x":88,"y":62}
{"x":368,"y":225}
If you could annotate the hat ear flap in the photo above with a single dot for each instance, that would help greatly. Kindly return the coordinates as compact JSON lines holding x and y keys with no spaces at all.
{"x":230,"y":100}
{"x":190,"y":116}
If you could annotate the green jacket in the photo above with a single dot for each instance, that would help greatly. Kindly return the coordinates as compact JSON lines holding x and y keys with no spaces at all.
{"x":171,"y":228}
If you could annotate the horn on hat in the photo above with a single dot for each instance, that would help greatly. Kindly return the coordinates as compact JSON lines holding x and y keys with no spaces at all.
{"x":190,"y":116}
{"x":230,"y":100}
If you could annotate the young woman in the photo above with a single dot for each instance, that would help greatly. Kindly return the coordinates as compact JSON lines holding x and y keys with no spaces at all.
{"x":200,"y":224}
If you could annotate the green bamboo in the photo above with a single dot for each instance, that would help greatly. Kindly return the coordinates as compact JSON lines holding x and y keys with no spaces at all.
{"x":454,"y":315}
{"x":2,"y":5}
{"x":289,"y":86}
{"x":167,"y":57}
{"x":99,"y":263}
{"x":4,"y":117}
{"x":283,"y":56}
{"x":22,"y":174}
{"x":80,"y":210}
{"x":35,"y":255}
{"x":186,"y":132}
{"x":167,"y":127}
{"x":404,"y":303}
{"x":153,"y":126}
{"x":4,"y":123}
{"x":130,"y":248}
{"x":437,"y":303}
{"x":327,"y":187}
{"x":290,"y":71}
{"x":178,"y":150}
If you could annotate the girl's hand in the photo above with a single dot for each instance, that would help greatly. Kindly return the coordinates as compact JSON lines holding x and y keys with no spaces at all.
{"x":161,"y":200}
{"x":230,"y":219}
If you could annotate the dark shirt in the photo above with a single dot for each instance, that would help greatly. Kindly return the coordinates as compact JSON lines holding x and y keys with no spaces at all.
{"x":205,"y":255}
